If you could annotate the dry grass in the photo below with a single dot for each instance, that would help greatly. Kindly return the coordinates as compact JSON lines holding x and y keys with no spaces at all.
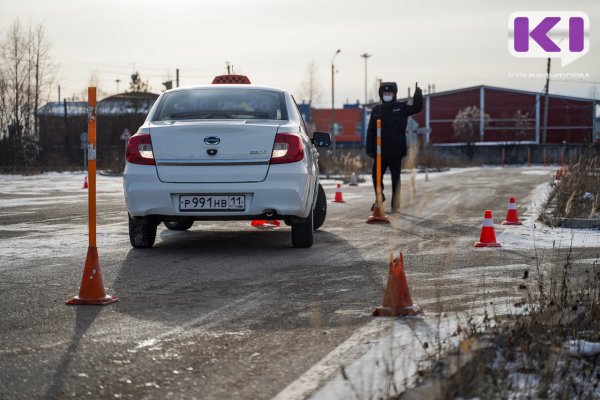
{"x":344,"y":163}
{"x":577,"y":195}
{"x":348,"y":161}
{"x":526,"y":357}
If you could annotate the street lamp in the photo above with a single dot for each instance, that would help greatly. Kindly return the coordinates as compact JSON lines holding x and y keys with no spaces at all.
{"x":365,"y":56}
{"x":333,"y":100}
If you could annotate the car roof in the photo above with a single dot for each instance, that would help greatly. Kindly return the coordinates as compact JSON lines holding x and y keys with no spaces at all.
{"x":226,"y":86}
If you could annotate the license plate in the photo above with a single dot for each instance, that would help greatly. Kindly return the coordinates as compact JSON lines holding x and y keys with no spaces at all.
{"x":211,"y":203}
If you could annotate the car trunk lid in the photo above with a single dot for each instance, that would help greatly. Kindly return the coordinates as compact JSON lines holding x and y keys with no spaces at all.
{"x":213,"y":151}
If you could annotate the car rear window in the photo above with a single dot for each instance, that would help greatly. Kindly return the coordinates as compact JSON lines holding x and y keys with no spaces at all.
{"x":220,"y":103}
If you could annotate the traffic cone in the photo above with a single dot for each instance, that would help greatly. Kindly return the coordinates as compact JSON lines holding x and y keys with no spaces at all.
{"x":338,"y":195}
{"x":378,"y":216}
{"x":397,"y":301}
{"x":353,"y":180}
{"x":85,"y":184}
{"x":263,"y":223}
{"x":488,"y":235}
{"x":512,"y":217}
{"x":91,"y":290}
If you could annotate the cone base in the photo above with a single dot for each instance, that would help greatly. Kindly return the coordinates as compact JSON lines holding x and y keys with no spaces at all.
{"x":397,"y":312}
{"x":338,"y":201}
{"x":102,"y":301}
{"x":377,"y":220}
{"x":482,"y":244}
{"x":265,"y":223}
{"x":512,"y":223}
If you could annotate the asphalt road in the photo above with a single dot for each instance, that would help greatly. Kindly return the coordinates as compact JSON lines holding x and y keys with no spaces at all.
{"x":226,"y":310}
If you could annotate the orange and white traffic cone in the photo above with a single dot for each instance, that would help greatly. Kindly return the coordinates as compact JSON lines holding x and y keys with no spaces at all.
{"x":488,"y":235}
{"x":85,"y":183}
{"x":512,"y":217}
{"x":263,"y":223}
{"x":397,"y":300}
{"x":339,"y":198}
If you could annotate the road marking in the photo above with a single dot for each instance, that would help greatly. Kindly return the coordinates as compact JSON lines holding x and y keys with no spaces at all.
{"x":198,"y":321}
{"x":354,"y":347}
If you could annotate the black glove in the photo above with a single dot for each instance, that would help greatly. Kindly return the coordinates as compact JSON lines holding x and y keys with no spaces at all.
{"x":417,"y":88}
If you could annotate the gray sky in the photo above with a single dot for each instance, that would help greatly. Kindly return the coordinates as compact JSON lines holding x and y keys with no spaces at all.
{"x":451,"y":44}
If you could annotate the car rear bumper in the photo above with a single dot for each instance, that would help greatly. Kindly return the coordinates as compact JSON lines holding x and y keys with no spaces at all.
{"x":287,"y":190}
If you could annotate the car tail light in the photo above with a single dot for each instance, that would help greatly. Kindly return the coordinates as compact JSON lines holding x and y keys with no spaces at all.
{"x":139,"y":149}
{"x":288,"y":148}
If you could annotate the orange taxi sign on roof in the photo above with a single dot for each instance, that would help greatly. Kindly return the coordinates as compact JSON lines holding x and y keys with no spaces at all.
{"x":235,"y":79}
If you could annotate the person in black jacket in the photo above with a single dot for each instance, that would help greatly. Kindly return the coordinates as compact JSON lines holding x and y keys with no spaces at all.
{"x":394,"y":117}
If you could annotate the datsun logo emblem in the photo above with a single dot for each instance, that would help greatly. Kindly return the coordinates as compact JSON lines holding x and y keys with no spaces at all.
{"x":212,"y":140}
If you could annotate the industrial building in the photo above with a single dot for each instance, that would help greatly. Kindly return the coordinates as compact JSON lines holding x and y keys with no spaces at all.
{"x":507,"y":116}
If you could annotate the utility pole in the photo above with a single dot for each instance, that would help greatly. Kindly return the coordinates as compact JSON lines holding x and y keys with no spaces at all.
{"x":118,"y":81}
{"x":545,"y":131}
{"x":228,"y":67}
{"x":59,"y":93}
{"x":365,"y":56}
{"x":333,"y":124}
{"x":177,"y":77}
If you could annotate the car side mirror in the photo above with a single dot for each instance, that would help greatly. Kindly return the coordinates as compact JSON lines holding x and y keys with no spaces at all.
{"x":321,"y":139}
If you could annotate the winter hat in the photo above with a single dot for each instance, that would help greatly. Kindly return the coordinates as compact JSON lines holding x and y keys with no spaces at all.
{"x":388,"y":87}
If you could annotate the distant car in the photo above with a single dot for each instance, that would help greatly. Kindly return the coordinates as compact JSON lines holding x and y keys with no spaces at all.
{"x":224,"y":152}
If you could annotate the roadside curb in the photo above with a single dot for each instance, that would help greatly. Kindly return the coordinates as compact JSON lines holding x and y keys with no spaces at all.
{"x":572,"y":223}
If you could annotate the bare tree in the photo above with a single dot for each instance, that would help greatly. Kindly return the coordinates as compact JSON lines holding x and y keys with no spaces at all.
{"x":467,"y":122}
{"x":136,"y":84}
{"x":523,"y":124}
{"x":310,"y":89}
{"x":13,"y":54}
{"x":25,"y":76}
{"x":43,"y":72}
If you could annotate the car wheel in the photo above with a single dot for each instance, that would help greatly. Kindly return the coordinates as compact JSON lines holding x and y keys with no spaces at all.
{"x":142,"y":231}
{"x":320,"y":209}
{"x":182,"y":225}
{"x":302,"y":232}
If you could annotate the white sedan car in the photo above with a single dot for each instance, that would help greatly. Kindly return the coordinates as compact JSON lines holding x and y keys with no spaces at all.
{"x":223,"y":152}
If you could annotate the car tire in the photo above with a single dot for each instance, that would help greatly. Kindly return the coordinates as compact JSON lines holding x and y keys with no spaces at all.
{"x":182,"y":225}
{"x":302,"y":232}
{"x":320,"y":208}
{"x":142,"y":232}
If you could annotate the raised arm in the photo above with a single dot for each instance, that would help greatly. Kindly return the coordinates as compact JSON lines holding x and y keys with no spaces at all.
{"x":417,"y":104}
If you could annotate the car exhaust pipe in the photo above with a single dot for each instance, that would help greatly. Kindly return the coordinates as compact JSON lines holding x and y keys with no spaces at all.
{"x":269,"y":213}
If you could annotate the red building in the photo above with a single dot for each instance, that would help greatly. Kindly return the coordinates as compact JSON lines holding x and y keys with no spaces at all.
{"x":508,"y":115}
{"x":350,"y":120}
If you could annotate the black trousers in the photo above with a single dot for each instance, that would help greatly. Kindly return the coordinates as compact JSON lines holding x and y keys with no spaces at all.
{"x":394,"y":166}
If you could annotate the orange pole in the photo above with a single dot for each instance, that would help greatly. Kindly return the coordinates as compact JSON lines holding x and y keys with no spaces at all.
{"x":92,"y":165}
{"x":378,"y":168}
